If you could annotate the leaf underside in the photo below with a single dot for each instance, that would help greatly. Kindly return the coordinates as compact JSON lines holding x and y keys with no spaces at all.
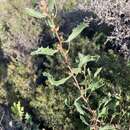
{"x":76,"y":31}
{"x":44,"y":51}
{"x":54,"y":82}
{"x":34,"y":13}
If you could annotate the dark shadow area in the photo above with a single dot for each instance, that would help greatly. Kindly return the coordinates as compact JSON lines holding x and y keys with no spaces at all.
{"x":5,"y":115}
{"x":5,"y":118}
{"x":72,"y":19}
{"x":4,"y":61}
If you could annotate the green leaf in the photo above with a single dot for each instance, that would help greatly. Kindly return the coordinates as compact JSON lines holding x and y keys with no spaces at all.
{"x":67,"y":103}
{"x":76,"y":70}
{"x":95,"y":85}
{"x":103,"y":112}
{"x":44,"y":51}
{"x":107,"y":127}
{"x":76,"y":31}
{"x":104,"y":102}
{"x":51,"y":4}
{"x":54,"y":82}
{"x":97,"y":72}
{"x":83,"y":120}
{"x":85,"y":59}
{"x":89,"y":72}
{"x":79,"y":108}
{"x":28,"y":118}
{"x":128,"y":63}
{"x":33,"y":2}
{"x":50,"y":23}
{"x":17,"y":110}
{"x":33,"y":13}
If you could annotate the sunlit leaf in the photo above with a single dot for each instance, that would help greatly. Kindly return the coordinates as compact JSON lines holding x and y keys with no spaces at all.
{"x":54,"y":82}
{"x":33,"y":13}
{"x":97,"y":72}
{"x":104,"y":102}
{"x":95,"y":85}
{"x":67,"y":103}
{"x":103,"y":112}
{"x":85,"y":59}
{"x":44,"y":51}
{"x":76,"y":70}
{"x":89,"y":72}
{"x":107,"y":127}
{"x":79,"y":108}
{"x":17,"y":110}
{"x":83,"y":120}
{"x":76,"y":31}
{"x":28,"y":118}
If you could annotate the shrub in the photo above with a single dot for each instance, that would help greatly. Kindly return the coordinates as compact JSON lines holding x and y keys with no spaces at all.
{"x":92,"y":96}
{"x":82,"y":85}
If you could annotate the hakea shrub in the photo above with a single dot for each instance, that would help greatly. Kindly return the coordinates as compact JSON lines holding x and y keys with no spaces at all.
{"x":75,"y":73}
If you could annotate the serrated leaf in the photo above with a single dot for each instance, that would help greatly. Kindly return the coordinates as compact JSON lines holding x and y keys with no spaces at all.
{"x":51,"y":4}
{"x":54,"y":82}
{"x":85,"y":59}
{"x":44,"y":51}
{"x":33,"y":13}
{"x":79,"y":108}
{"x":107,"y":127}
{"x":97,"y":72}
{"x":76,"y":31}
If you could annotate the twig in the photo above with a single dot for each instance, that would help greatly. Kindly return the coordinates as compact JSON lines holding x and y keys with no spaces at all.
{"x":2,"y":118}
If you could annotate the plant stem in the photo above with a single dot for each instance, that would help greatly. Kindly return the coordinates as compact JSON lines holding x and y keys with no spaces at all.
{"x":65,"y":55}
{"x":66,"y":60}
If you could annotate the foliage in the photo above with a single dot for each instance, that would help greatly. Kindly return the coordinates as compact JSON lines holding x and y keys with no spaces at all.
{"x":53,"y":82}
{"x":17,"y":38}
{"x":83,"y":86}
{"x":17,"y":110}
{"x":92,"y":114}
{"x":76,"y":32}
{"x":22,"y":120}
{"x":34,"y":13}
{"x":44,"y":51}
